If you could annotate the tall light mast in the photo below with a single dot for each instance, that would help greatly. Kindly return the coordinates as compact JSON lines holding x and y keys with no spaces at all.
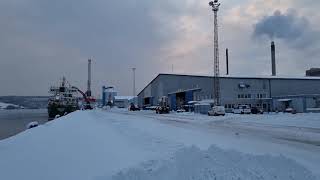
{"x":215,"y":8}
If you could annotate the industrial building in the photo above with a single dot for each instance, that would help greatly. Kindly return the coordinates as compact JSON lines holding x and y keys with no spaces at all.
{"x":124,"y":101}
{"x":108,"y":94}
{"x":271,"y":93}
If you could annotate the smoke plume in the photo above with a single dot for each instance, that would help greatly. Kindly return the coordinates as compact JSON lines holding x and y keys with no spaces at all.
{"x":287,"y":26}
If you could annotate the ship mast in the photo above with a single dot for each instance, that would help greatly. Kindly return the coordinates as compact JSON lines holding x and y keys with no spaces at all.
{"x":63,"y":81}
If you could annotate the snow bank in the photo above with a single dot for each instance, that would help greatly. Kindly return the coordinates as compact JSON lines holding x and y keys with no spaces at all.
{"x":218,"y":164}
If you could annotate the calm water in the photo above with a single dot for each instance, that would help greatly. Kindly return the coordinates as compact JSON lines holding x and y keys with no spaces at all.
{"x":13,"y":122}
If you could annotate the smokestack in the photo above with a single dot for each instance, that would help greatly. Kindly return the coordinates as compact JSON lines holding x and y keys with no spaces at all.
{"x":273,"y":58}
{"x":89,"y":78}
{"x":227,"y":60}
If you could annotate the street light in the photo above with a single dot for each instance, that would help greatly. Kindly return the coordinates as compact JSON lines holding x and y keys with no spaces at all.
{"x":215,"y":5}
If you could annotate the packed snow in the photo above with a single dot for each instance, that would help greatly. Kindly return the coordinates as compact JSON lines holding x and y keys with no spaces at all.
{"x":117,"y":144}
{"x":193,"y":163}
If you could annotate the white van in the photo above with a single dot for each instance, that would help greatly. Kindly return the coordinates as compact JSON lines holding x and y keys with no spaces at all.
{"x":242,"y":109}
{"x":217,"y":111}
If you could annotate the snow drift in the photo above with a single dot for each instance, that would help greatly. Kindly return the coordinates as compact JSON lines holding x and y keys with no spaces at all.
{"x":215,"y":163}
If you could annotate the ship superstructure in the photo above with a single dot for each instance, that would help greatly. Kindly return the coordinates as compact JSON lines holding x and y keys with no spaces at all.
{"x":63,"y":100}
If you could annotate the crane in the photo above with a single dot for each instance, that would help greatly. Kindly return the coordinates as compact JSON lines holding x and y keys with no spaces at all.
{"x":88,"y":101}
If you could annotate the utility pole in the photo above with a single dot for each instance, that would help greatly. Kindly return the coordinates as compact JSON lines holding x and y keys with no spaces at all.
{"x":215,"y":8}
{"x":134,"y":81}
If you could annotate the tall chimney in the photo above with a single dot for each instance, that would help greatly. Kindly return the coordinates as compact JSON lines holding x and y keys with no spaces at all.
{"x":273,"y":58}
{"x":89,"y":78}
{"x":227,"y":60}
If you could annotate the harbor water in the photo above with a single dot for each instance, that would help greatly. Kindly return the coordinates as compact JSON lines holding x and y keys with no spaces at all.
{"x":13,"y":122}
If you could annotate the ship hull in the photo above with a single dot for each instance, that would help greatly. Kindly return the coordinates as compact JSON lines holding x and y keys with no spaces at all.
{"x":61,"y":110}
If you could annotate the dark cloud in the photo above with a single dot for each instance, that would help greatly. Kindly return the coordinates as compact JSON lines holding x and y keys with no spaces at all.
{"x":286,"y":26}
{"x":41,"y":40}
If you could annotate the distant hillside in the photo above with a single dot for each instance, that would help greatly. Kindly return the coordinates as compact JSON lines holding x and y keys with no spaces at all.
{"x":28,"y":102}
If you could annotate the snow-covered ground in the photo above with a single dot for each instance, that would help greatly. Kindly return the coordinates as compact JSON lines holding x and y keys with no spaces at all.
{"x":142,"y":145}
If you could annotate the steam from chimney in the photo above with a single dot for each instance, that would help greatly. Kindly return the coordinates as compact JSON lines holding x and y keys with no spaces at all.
{"x":273,"y":58}
{"x":295,"y":30}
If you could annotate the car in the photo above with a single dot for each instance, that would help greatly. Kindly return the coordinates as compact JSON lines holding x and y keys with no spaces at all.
{"x":217,"y":111}
{"x":290,"y":110}
{"x":256,"y":110}
{"x":242,"y":109}
{"x":181,"y":111}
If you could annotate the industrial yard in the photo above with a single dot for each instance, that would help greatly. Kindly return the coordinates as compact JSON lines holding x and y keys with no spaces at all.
{"x":161,"y":90}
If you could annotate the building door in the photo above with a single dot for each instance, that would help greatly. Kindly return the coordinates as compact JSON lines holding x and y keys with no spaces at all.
{"x":181,"y":100}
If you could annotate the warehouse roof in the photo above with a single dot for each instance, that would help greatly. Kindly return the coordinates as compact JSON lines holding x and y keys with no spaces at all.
{"x":237,"y":77}
{"x":248,"y":77}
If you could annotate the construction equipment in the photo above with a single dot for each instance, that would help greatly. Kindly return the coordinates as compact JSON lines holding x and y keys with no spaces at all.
{"x":133,"y":107}
{"x":163,"y":107}
{"x":88,"y":100}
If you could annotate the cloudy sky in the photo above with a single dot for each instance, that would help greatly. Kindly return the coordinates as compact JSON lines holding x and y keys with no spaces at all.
{"x":43,"y":40}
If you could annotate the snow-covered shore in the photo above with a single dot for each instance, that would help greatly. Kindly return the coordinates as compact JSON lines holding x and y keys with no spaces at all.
{"x":141,"y":145}
{"x":8,"y":105}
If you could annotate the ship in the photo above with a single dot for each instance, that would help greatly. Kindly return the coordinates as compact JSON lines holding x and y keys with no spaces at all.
{"x":63,"y":101}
